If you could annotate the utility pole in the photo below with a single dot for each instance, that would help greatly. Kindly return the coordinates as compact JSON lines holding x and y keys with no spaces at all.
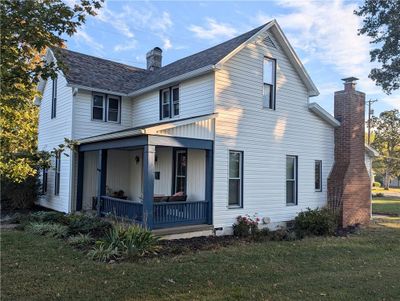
{"x":370,"y":112}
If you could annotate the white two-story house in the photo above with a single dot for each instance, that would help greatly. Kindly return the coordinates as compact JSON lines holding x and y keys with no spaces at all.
{"x":224,"y":132}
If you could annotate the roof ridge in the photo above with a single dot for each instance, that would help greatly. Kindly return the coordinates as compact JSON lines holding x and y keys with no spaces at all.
{"x":98,"y":58}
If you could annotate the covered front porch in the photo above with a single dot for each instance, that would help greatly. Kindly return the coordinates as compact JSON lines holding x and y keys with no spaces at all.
{"x":154,"y":180}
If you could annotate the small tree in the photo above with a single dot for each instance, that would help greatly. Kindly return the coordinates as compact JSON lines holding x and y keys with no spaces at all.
{"x":386,"y":130}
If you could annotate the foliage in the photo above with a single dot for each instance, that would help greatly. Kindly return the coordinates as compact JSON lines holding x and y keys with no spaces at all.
{"x":85,"y":224}
{"x":319,"y":222}
{"x":80,"y":240}
{"x":48,"y":229}
{"x":379,"y":195}
{"x":103,"y":253}
{"x":376,"y":184}
{"x":381,"y":23}
{"x":19,"y":195}
{"x":133,"y":241}
{"x":50,"y":217}
{"x":28,"y":28}
{"x":386,"y":130}
{"x":245,"y":226}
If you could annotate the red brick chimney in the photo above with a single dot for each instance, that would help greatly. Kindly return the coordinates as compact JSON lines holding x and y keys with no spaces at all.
{"x":349,"y":186}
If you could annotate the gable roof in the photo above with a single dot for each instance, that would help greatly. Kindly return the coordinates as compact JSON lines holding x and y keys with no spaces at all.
{"x":90,"y":72}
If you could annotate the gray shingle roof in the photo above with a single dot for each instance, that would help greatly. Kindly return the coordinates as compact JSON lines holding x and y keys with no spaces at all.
{"x":89,"y":71}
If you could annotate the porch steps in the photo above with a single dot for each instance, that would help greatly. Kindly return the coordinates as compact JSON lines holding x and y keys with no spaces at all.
{"x":184,"y":232}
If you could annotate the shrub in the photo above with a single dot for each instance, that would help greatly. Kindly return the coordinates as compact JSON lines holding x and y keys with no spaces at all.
{"x":133,"y":241}
{"x":48,"y":229}
{"x":103,"y":253}
{"x":245,"y":226}
{"x":317,"y":222}
{"x":19,"y":195}
{"x":86,"y":224}
{"x":49,"y":217}
{"x":279,"y":234}
{"x":376,"y":184}
{"x":378,"y":195}
{"x":80,"y":240}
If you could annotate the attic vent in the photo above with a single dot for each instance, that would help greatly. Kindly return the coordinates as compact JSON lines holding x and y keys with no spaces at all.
{"x":268,"y":41}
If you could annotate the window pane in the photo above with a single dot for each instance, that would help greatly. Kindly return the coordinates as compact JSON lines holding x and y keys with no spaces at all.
{"x":234,"y":165}
{"x":267,"y":102}
{"x":165,"y":109}
{"x":234,"y":192}
{"x":175,"y":94}
{"x":290,"y":167}
{"x":180,"y":184}
{"x":113,"y":116}
{"x":165,"y":96}
{"x":268,"y":71}
{"x":113,"y":103}
{"x":97,"y":113}
{"x":318,"y":175}
{"x":98,"y":100}
{"x":176,"y":108}
{"x":181,"y":164}
{"x":290,"y":192}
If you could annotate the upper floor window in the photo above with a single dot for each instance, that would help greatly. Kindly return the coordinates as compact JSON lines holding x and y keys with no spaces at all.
{"x":291,"y":180}
{"x":106,"y":107}
{"x":169,"y":103}
{"x":54,"y":98}
{"x":318,"y":175}
{"x":269,"y":78}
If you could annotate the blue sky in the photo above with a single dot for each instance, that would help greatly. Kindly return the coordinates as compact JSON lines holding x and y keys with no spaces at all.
{"x":323,"y":33}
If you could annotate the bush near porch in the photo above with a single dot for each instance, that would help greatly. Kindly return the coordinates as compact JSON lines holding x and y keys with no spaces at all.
{"x":358,"y":267}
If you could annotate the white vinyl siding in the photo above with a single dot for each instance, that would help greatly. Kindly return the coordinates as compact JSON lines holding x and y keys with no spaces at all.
{"x":84,"y":126}
{"x":51,"y":133}
{"x":196,"y":97}
{"x":266,"y":137}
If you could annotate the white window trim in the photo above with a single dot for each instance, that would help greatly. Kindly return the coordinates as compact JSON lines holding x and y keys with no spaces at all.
{"x":119,"y":108}
{"x":104,"y":107}
{"x":273,"y":85}
{"x":294,"y":180}
{"x":320,"y":175}
{"x":170,"y":103}
{"x":241,"y":172}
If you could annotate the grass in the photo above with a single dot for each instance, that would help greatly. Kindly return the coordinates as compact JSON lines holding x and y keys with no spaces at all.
{"x":389,"y":206}
{"x":361,"y":267}
{"x":382,"y":190}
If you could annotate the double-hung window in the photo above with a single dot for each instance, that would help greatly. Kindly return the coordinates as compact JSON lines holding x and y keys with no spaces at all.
{"x":318,"y":175}
{"x":169,"y":103}
{"x":54,"y":98}
{"x":180,"y":171}
{"x":44,"y":180}
{"x":291,"y":180}
{"x":235,"y":198}
{"x":113,"y":111}
{"x":98,"y":107}
{"x":106,"y":107}
{"x":57,"y":170}
{"x":269,"y":78}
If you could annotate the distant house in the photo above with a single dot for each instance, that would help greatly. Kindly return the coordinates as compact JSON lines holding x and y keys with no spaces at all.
{"x":224,"y":132}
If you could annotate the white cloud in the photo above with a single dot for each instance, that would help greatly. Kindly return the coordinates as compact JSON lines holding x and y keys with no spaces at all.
{"x":167,"y":44}
{"x":213,"y":30}
{"x":81,"y":35}
{"x":326,"y":32}
{"x":127,"y":46}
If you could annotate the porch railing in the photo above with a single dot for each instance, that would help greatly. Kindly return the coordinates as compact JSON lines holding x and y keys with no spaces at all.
{"x":165,"y":214}
{"x":168,"y":214}
{"x":122,"y":208}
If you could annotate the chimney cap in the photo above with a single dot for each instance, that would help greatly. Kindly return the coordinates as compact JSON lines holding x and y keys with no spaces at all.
{"x":350,"y":79}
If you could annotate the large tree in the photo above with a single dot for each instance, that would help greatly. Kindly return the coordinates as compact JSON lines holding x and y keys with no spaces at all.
{"x":28,"y":27}
{"x":381,"y":22}
{"x":386,"y":129}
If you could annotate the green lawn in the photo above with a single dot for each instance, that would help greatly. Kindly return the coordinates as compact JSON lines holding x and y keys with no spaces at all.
{"x":361,"y":267}
{"x":387,"y":205}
